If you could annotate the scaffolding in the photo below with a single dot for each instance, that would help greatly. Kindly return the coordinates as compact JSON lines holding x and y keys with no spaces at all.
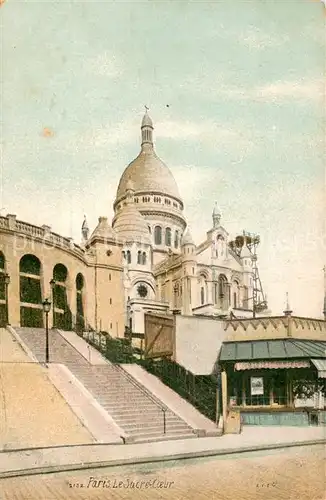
{"x":252,"y":241}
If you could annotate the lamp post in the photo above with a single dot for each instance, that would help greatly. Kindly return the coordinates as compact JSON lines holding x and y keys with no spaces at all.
{"x":7,"y":282}
{"x":46,"y":308}
{"x":52,"y":284}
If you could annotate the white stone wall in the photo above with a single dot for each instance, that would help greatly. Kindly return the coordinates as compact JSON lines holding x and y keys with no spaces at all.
{"x":198,"y":342}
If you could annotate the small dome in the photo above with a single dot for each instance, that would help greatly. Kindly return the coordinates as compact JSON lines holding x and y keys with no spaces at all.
{"x":187,"y":239}
{"x":130,"y":225}
{"x":103,"y":229}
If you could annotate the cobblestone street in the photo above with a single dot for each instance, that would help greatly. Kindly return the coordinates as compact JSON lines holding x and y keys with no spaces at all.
{"x":296,"y":473}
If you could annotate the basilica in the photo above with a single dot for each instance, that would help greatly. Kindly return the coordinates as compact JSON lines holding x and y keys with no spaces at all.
{"x":144,"y":261}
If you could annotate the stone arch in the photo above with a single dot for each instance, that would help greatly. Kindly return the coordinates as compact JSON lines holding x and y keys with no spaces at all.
{"x":30,"y":291}
{"x":62,"y":314}
{"x":203,"y":287}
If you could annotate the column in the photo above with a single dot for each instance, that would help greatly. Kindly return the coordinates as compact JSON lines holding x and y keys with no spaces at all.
{"x":47,"y":273}
{"x":224,"y":395}
{"x":12,"y":268}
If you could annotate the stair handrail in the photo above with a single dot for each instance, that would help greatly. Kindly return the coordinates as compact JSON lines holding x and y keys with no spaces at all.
{"x":135,"y":382}
{"x":145,"y":391}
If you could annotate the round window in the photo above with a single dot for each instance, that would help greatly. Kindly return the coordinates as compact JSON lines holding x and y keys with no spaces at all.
{"x":142,"y":291}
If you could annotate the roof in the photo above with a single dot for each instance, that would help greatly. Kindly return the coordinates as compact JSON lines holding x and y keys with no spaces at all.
{"x":147,"y":121}
{"x":148,"y":174}
{"x":187,"y":238}
{"x":272,"y":349}
{"x":131,"y":226}
{"x":103,"y":230}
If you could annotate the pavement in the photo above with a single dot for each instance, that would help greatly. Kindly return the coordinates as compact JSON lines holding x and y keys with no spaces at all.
{"x":29,"y":417}
{"x":65,"y":458}
{"x":283,"y":474}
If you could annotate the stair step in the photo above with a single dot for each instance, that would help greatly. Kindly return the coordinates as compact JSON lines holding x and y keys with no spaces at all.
{"x":154,"y":425}
{"x":167,"y":435}
{"x":130,"y":407}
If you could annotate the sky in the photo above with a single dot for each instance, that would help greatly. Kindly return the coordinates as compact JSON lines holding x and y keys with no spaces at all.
{"x":236,"y":92}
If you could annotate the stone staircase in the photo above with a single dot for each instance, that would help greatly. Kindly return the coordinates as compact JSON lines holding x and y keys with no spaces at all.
{"x":133,"y":408}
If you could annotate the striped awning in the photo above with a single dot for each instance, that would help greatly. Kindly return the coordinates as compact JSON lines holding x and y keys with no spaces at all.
{"x":320,"y":364}
{"x":258,"y":365}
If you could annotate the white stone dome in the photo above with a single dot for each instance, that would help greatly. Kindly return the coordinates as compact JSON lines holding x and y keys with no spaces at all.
{"x":130,"y":225}
{"x":148,"y":174}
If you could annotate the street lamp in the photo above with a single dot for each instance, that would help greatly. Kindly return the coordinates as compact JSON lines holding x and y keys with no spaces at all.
{"x":7,"y":282}
{"x":46,"y":308}
{"x":52,"y":284}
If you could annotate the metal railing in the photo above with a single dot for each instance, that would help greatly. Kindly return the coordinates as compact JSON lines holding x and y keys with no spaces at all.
{"x":200,"y":391}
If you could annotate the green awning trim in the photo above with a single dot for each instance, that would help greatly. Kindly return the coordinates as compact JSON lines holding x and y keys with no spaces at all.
{"x":272,"y":349}
{"x":320,"y":364}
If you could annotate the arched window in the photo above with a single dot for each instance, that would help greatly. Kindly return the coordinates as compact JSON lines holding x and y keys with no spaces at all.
{"x":124,"y":255}
{"x":202,"y":295}
{"x":31,"y":313}
{"x":158,"y":235}
{"x":223,"y":291}
{"x":139,"y":257}
{"x":168,"y":236}
{"x":62,"y":313}
{"x":144,"y":258}
{"x":2,"y":261}
{"x":128,"y":257}
{"x":235,"y":294}
{"x":29,"y":264}
{"x":176,"y":239}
